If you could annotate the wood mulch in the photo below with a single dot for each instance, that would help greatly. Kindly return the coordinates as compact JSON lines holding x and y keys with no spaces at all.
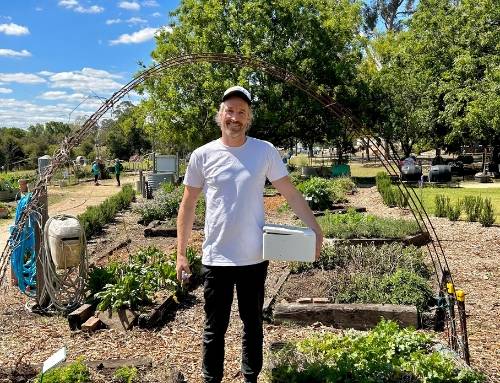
{"x":472,"y":251}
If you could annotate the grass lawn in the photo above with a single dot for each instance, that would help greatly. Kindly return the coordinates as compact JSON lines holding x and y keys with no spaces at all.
{"x":428,"y":196}
{"x":366,"y":170}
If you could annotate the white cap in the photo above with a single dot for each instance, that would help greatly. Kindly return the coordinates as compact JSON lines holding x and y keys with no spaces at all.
{"x":237,"y":91}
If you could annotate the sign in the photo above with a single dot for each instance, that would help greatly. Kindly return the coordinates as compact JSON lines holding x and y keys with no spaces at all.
{"x":54,"y":360}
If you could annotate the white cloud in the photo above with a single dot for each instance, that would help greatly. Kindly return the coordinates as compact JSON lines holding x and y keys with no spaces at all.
{"x":136,"y":37}
{"x":45,"y":73}
{"x":86,"y":80}
{"x":75,"y":6}
{"x":39,"y":9}
{"x":21,"y":78}
{"x":61,"y":95}
{"x":131,"y":21}
{"x":113,"y":21}
{"x":14,"y":29}
{"x":129,"y":5}
{"x":12,"y":53}
{"x":150,"y":3}
{"x":5,"y":90}
{"x":156,"y":14}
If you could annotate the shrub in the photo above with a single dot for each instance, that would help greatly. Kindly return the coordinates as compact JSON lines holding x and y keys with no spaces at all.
{"x":391,"y":195}
{"x":441,"y":202}
{"x":472,"y":206}
{"x":357,"y":225}
{"x":95,"y":217}
{"x":76,"y":372}
{"x":126,"y":374}
{"x":384,"y":354}
{"x":453,"y":211}
{"x":487,"y":217}
{"x":322,"y":193}
{"x":164,"y":205}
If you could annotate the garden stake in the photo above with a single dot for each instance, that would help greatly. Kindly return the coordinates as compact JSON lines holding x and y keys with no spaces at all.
{"x":451,"y":311}
{"x":463,"y":325}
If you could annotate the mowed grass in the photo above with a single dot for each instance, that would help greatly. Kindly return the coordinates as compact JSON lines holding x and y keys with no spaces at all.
{"x":366,"y":170}
{"x":428,"y":197}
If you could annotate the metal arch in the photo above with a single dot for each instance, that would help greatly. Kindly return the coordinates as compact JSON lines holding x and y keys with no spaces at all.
{"x":355,"y":127}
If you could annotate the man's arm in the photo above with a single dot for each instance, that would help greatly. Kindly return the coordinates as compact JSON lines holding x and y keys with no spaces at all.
{"x":300,"y":208}
{"x":185,"y":220}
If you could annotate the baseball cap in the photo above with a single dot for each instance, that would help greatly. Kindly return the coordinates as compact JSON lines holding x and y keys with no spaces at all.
{"x":237,"y":91}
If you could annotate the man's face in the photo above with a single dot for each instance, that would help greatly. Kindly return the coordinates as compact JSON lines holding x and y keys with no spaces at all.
{"x":235,"y":118}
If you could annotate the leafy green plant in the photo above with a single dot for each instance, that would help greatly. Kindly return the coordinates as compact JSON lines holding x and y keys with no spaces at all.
{"x":322,"y":193}
{"x":76,"y":372}
{"x":148,"y":271}
{"x":126,"y":374}
{"x":358,"y":225}
{"x":442,"y":203}
{"x":391,"y":195}
{"x":384,"y":354}
{"x":472,"y":206}
{"x":487,"y":216}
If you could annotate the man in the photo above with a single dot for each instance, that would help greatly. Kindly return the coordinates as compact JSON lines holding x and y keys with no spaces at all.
{"x":118,"y":170}
{"x":232,"y":171}
{"x":96,"y":171}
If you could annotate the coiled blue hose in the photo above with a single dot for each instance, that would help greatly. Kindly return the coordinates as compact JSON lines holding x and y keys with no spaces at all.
{"x":23,"y":258}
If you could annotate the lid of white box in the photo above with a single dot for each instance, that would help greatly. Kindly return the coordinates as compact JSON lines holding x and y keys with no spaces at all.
{"x":287,"y":230}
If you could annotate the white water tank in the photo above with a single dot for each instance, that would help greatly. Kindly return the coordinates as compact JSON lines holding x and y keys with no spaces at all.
{"x":65,"y":241}
{"x":289,"y":243}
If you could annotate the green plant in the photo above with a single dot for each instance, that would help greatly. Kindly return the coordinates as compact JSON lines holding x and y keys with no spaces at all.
{"x":358,"y":225}
{"x":322,"y":193}
{"x":487,"y":216}
{"x":442,"y":204}
{"x":472,"y":206}
{"x":384,"y":354}
{"x":391,"y":195}
{"x":126,"y":374}
{"x":453,"y":211}
{"x":76,"y":372}
{"x":164,"y":205}
{"x":95,"y":217}
{"x":148,"y":271}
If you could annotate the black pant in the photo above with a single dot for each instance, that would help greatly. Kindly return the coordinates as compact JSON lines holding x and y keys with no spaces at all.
{"x":96,"y":178}
{"x":118,"y":178}
{"x":219,"y":282}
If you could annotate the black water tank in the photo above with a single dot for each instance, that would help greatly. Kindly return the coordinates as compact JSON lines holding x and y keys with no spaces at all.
{"x":411,"y":173}
{"x":440,"y":173}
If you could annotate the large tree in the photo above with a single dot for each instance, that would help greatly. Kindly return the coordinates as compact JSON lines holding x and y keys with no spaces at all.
{"x":316,"y":39}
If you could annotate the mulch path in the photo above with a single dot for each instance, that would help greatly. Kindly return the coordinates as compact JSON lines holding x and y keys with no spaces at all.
{"x":472,"y":252}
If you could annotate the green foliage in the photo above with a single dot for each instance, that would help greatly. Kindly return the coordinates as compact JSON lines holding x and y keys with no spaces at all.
{"x":135,"y":283}
{"x":323,"y":193}
{"x":391,"y":195}
{"x":391,"y":273}
{"x":442,"y":205}
{"x":76,"y":372}
{"x":100,"y":276}
{"x":454,"y":210}
{"x":165,"y":204}
{"x":472,"y":206}
{"x":384,"y":354}
{"x":487,"y":216}
{"x":95,"y":217}
{"x":357,"y":225}
{"x":126,"y":374}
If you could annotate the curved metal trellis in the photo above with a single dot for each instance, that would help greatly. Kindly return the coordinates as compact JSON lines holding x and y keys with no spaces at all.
{"x":354,"y":128}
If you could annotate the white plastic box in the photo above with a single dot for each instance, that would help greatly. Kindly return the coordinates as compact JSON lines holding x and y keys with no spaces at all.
{"x":289,"y":243}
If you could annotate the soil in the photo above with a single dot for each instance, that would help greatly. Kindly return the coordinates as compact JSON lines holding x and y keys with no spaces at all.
{"x":25,"y":337}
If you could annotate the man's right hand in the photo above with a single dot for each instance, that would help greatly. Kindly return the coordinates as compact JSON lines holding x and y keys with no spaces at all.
{"x":182,"y":265}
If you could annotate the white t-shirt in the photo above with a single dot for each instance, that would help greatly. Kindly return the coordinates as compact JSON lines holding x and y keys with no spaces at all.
{"x":233,"y":180}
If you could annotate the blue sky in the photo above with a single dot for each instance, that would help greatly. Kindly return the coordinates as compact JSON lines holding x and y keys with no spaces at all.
{"x":56,"y":54}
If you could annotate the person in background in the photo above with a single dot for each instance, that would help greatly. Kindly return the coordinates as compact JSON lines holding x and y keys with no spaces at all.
{"x":231,"y":171}
{"x":118,"y":170}
{"x":96,"y":171}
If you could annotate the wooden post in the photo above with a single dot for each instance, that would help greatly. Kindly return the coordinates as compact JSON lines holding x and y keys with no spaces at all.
{"x":41,"y":296}
{"x":463,"y":325}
